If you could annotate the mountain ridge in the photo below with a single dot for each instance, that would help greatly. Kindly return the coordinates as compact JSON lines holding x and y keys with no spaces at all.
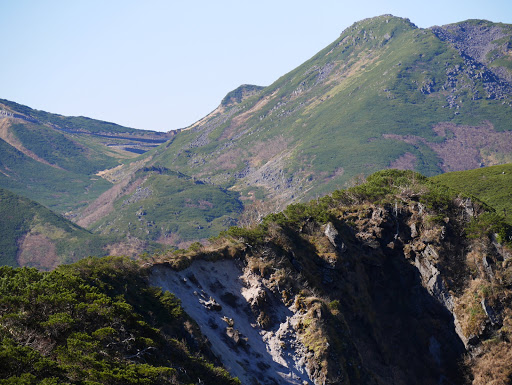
{"x":385,"y":94}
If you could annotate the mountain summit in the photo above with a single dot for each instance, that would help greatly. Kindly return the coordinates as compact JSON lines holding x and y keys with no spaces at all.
{"x":384,"y":94}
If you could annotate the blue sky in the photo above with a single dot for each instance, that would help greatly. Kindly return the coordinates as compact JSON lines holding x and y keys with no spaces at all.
{"x":162,"y":65}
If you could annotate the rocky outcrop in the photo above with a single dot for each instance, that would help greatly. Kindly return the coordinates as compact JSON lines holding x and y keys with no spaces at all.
{"x":480,"y":40}
{"x":250,"y":329}
{"x":345,"y":290}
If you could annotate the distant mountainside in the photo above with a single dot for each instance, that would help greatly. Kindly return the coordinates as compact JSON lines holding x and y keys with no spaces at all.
{"x":34,"y":236}
{"x":53,"y":159}
{"x":385,"y":94}
{"x":165,"y":206}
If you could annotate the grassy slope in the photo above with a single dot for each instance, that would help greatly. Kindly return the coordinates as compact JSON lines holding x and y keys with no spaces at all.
{"x":58,"y":189}
{"x":19,"y":216}
{"x":69,"y":122}
{"x":169,"y":204}
{"x":492,"y":185}
{"x":323,"y":123}
{"x":333,"y":110}
{"x":83,"y":324}
{"x":73,"y":146}
{"x":59,"y":149}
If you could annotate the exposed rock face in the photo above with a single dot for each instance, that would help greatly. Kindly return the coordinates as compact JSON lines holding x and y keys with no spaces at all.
{"x":485,"y":43}
{"x":379,"y":294}
{"x":252,"y":348}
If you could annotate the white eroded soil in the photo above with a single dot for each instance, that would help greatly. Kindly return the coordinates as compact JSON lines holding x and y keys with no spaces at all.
{"x":218,"y":295}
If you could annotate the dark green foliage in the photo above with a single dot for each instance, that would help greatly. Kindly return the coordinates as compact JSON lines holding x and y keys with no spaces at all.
{"x":251,"y":236}
{"x":387,"y":187}
{"x":438,"y":197}
{"x":379,"y":186}
{"x":97,"y":322}
{"x":488,"y":224}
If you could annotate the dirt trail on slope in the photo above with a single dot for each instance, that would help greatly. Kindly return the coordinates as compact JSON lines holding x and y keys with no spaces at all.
{"x":104,"y":204}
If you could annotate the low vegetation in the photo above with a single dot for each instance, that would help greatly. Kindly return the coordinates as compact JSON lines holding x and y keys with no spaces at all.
{"x":491,"y":185}
{"x":345,"y":263}
{"x":97,"y":322}
{"x":32,"y":235}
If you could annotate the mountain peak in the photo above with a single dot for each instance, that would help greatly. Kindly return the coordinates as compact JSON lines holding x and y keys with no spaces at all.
{"x":239,"y":94}
{"x":381,"y":21}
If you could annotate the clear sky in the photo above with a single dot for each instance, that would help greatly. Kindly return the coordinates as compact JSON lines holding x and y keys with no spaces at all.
{"x":162,"y":65}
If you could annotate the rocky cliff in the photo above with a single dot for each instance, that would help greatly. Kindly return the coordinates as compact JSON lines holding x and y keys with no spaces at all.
{"x":396,"y":281}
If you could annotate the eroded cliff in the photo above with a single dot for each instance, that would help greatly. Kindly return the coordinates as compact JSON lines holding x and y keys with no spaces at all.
{"x":396,"y":281}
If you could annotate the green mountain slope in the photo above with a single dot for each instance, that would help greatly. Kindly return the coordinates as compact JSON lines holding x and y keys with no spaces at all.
{"x":98,"y":322}
{"x":32,"y":235}
{"x":53,"y":159}
{"x":398,"y":280}
{"x":384,"y":94}
{"x":167,"y":207}
{"x":492,"y":185}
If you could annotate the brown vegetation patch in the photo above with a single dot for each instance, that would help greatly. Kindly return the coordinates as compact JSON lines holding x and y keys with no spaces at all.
{"x":36,"y":250}
{"x":463,"y":150}
{"x":171,"y":239}
{"x":404,"y":162}
{"x":493,"y":364}
{"x":466,"y":147}
{"x":264,"y":151}
{"x":228,"y":160}
{"x":131,"y":247}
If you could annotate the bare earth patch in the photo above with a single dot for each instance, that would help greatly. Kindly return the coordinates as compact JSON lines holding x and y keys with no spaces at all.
{"x":104,"y":204}
{"x":405,"y":162}
{"x":218,"y":296}
{"x":36,"y":250}
{"x":465,"y":147}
